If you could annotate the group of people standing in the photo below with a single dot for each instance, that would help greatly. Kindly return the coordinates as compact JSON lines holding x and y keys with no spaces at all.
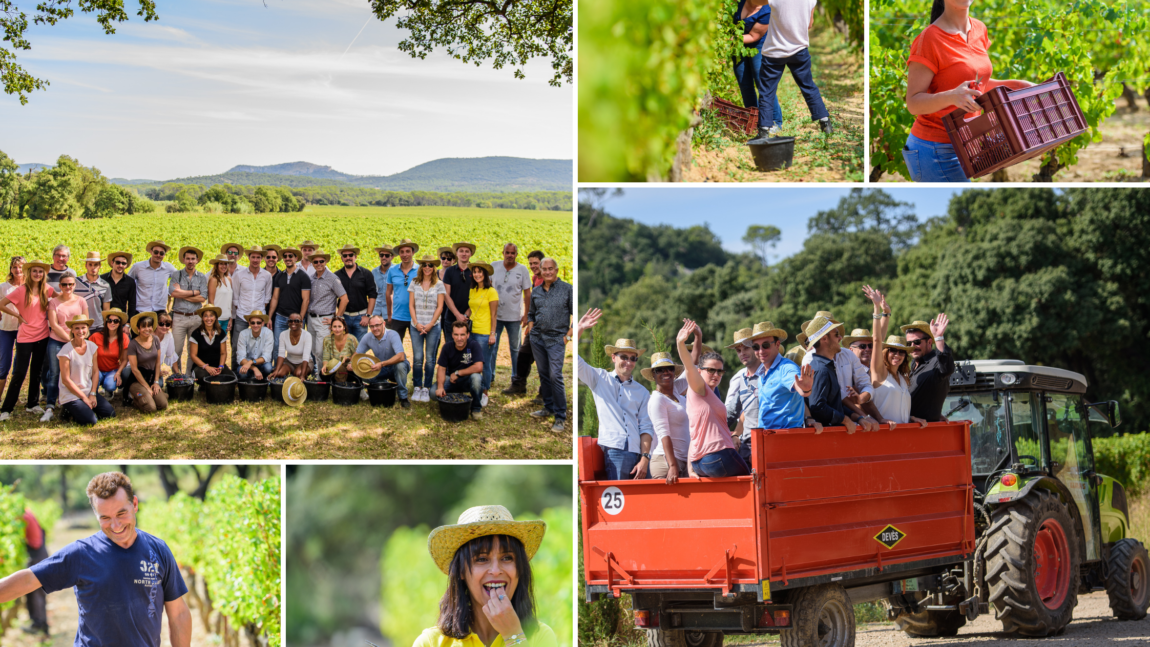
{"x":683,"y":428}
{"x":120,"y":330}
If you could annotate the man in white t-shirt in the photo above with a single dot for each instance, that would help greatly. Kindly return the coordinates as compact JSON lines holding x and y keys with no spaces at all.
{"x":513,"y":282}
{"x":786,"y":46}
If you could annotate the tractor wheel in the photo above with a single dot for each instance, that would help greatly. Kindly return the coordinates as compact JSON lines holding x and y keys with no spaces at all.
{"x":823,"y":616}
{"x":930,"y":624}
{"x":1129,"y":583}
{"x":1032,"y":565}
{"x":683,"y":638}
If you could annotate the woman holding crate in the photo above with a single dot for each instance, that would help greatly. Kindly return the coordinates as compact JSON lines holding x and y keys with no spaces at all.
{"x":754,"y":18}
{"x":949,"y":67}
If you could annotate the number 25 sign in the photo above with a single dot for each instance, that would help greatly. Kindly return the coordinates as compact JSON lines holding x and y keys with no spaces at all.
{"x":612,"y":500}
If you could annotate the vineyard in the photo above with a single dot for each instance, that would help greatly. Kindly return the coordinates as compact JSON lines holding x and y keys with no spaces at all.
{"x":1102,"y":46}
{"x":228,"y":549}
{"x":331,"y":227}
{"x":647,"y":69}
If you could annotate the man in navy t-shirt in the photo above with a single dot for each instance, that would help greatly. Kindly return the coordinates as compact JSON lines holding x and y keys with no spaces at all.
{"x":124,"y":578}
{"x":461,"y":368}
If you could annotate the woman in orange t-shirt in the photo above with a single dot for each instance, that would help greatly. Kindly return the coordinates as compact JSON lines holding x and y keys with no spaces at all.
{"x":949,"y":66}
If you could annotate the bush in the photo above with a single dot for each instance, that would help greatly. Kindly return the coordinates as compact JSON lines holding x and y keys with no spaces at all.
{"x":1126,"y":458}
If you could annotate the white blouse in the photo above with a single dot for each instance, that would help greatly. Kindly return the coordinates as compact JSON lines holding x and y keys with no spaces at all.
{"x":296,"y":354}
{"x":670,"y":419}
{"x":892,"y":398}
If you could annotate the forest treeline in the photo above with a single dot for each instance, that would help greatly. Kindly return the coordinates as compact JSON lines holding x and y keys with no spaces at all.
{"x":1052,"y":278}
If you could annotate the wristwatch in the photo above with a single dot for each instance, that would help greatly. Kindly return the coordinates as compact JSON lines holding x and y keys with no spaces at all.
{"x":646,"y":455}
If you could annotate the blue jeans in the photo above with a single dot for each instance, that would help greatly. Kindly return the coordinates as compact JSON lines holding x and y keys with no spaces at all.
{"x":239,"y":327}
{"x":266,"y":368}
{"x":549,"y":359}
{"x":932,"y":161}
{"x":354,"y":329}
{"x":488,"y":358}
{"x":619,"y":463}
{"x":82,"y":414}
{"x":771,"y":71}
{"x":472,"y":384}
{"x":725,"y":462}
{"x":513,"y":337}
{"x":396,"y":373}
{"x":108,"y":380}
{"x":747,"y":74}
{"x":279,"y":324}
{"x":7,"y":351}
{"x":424,"y":360}
{"x":51,"y":372}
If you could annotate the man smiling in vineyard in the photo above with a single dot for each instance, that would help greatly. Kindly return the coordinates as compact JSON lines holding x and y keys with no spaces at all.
{"x":121,"y":575}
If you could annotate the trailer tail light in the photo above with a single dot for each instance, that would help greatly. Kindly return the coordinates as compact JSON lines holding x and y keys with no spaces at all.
{"x":1008,"y":480}
{"x":783,"y":618}
{"x":646,"y":619}
{"x":775,"y":618}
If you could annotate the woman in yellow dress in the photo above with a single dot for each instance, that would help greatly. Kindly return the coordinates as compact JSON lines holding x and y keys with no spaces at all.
{"x":489,"y":600}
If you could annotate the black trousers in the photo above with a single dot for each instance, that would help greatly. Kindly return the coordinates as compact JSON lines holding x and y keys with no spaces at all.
{"x":38,"y":600}
{"x":526,"y":361}
{"x":29,"y":363}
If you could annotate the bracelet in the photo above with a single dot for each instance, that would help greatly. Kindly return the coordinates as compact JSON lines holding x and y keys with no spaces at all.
{"x":940,"y":338}
{"x":514,"y":639}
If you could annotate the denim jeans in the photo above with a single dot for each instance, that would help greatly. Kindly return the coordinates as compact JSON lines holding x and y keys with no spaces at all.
{"x":549,"y":359}
{"x":932,"y":161}
{"x":396,"y":373}
{"x":354,"y":329}
{"x":108,"y":380}
{"x":7,"y":351}
{"x":747,"y":74}
{"x":619,"y":463}
{"x":472,"y":384}
{"x":725,"y":462}
{"x":266,"y":368}
{"x":423,"y":352}
{"x":51,"y":371}
{"x":488,"y":358}
{"x":279,"y":325}
{"x":513,"y":338}
{"x":82,"y":414}
{"x":239,"y":326}
{"x":771,"y":71}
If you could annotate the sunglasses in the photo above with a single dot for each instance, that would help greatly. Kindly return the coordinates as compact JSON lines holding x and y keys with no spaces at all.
{"x":158,"y":252}
{"x":347,"y":255}
{"x":628,"y":358}
{"x":447,"y":257}
{"x":67,"y":285}
{"x":766,"y":344}
{"x":120,"y":263}
{"x":113,"y":320}
{"x":231,"y":253}
{"x":165,"y":324}
{"x":426,"y":265}
{"x":319,"y":261}
{"x":862,"y":346}
{"x":915,"y":342}
{"x":255,"y":322}
{"x":295,"y":321}
{"x":384,"y":255}
{"x":663,"y":369}
{"x":895,"y":351}
{"x":712,"y":371}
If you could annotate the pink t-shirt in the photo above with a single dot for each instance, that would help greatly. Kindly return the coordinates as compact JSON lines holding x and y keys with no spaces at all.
{"x":36,"y":327}
{"x":64,"y":312}
{"x":709,"y":432}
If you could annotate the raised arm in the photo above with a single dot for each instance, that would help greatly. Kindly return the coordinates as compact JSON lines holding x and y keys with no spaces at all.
{"x":690,"y":371}
{"x":878,"y":371}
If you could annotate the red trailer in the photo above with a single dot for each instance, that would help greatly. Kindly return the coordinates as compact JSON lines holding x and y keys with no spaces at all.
{"x":824,"y":521}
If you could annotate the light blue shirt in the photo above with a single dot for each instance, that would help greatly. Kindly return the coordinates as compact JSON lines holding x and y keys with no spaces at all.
{"x":386,"y":348}
{"x":780,"y":406}
{"x":400,"y":311}
{"x":151,"y":285}
{"x":622,"y":407}
{"x":253,"y":348}
{"x":381,"y":289}
{"x":743,"y":398}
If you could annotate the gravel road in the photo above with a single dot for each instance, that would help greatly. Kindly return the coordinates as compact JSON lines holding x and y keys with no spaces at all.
{"x":1093,"y":626}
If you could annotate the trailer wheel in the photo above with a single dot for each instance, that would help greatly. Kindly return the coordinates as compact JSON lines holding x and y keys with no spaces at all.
{"x":1129,"y":583}
{"x":1032,"y":565}
{"x":823,"y":617}
{"x":930,"y":624}
{"x":683,"y":638}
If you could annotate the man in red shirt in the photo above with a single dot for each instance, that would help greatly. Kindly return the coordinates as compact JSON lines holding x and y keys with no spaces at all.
{"x":37,"y":552}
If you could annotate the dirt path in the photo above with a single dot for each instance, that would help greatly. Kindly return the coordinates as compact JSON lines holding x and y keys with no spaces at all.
{"x":64,"y":614}
{"x":839,"y":74}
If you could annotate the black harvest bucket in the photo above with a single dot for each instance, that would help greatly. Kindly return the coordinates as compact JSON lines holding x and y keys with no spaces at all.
{"x":455,"y":407}
{"x":382,"y":395}
{"x":317,"y":391}
{"x":181,"y":388}
{"x":347,"y":393}
{"x":277,"y":389}
{"x":220,"y":391}
{"x":254,"y":391}
{"x":773,"y":154}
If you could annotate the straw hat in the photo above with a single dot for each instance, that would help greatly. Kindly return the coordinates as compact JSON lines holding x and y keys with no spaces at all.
{"x":319,"y":253}
{"x":428,"y":259}
{"x":741,"y":335}
{"x":824,"y":313}
{"x":362,"y":363}
{"x":858,"y":334}
{"x":293,"y":250}
{"x":482,"y":521}
{"x":114,"y":255}
{"x":658,"y":360}
{"x":262,"y":251}
{"x":706,"y":349}
{"x":114,"y":312}
{"x":268,"y":248}
{"x":189,"y":248}
{"x":624,"y":346}
{"x":896,"y":342}
{"x":449,"y":250}
{"x":385,"y":248}
{"x":768,"y":329}
{"x":486,"y":266}
{"x":347,"y":248}
{"x":257,"y":314}
{"x":330,"y":365}
{"x":920,"y":326}
{"x":29,"y":265}
{"x":294,"y":392}
{"x":135,"y":322}
{"x":802,"y":339}
{"x":157,"y":243}
{"x":456,"y":246}
{"x":219,"y":258}
{"x":309,"y":243}
{"x":207,"y":307}
{"x":224,"y":249}
{"x":796,"y":354}
{"x":406,"y":242}
{"x":93,"y":257}
{"x":79,"y":319}
{"x":818,"y":328}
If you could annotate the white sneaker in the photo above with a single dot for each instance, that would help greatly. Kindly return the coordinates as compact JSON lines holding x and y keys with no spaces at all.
{"x":36,"y":409}
{"x":426,"y":395}
{"x":47,"y":415}
{"x":4,"y":416}
{"x":483,"y":400}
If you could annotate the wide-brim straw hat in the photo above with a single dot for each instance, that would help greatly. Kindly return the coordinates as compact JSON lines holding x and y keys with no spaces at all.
{"x":257,"y":314}
{"x":706,"y":349}
{"x":431,"y":260}
{"x":486,"y":266}
{"x":920,"y":326}
{"x":385,"y":248}
{"x":330,"y":365}
{"x":450,"y":250}
{"x":624,"y":346}
{"x":135,"y":322}
{"x":268,"y":248}
{"x":802,"y":339}
{"x":319,"y":253}
{"x":825,"y":313}
{"x":896,"y":342}
{"x":456,"y":246}
{"x":768,"y":329}
{"x":114,"y":312}
{"x":659,"y":360}
{"x":207,"y":307}
{"x":482,"y":521}
{"x":219,"y":258}
{"x":255,"y":250}
{"x":158,"y":243}
{"x":93,"y":257}
{"x":309,"y":243}
{"x":348,"y":248}
{"x":189,"y":248}
{"x":293,"y":250}
{"x":858,"y":334}
{"x":224,"y":248}
{"x":29,"y":265}
{"x":406,"y":242}
{"x":114,"y":255}
{"x":742,"y":337}
{"x":362,"y":363}
{"x":818,"y":328}
{"x":77,"y":320}
{"x":796,"y":354}
{"x":294,"y":392}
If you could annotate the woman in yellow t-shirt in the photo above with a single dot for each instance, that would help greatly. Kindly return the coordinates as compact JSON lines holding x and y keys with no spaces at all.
{"x":489,"y":600}
{"x":482,"y":302}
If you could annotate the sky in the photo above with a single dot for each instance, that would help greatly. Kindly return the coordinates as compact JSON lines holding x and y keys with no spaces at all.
{"x":216,"y":83}
{"x":729,"y":211}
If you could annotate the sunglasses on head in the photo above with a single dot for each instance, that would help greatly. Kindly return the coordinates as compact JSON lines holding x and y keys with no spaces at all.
{"x":628,"y":358}
{"x":862,"y":346}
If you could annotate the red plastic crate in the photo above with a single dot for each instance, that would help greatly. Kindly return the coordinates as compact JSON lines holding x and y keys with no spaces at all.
{"x":738,"y":118}
{"x":1016,"y":125}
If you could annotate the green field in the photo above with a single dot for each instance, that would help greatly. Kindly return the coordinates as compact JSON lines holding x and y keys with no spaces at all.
{"x":331,"y":227}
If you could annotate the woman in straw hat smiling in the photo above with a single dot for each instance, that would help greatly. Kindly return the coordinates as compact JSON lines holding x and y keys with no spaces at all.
{"x":489,"y":599}
{"x":80,"y":377}
{"x":667,"y":407}
{"x":890,"y":368}
{"x":29,"y":305}
{"x":142,"y":389}
{"x":713,"y":452}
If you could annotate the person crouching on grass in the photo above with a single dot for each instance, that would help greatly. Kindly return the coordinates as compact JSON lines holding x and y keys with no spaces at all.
{"x":460,"y":368}
{"x":121,"y":575}
{"x":80,"y":376}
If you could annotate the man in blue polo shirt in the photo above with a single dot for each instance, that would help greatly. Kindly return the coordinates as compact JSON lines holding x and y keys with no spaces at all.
{"x":124,"y":578}
{"x":782,"y":384}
